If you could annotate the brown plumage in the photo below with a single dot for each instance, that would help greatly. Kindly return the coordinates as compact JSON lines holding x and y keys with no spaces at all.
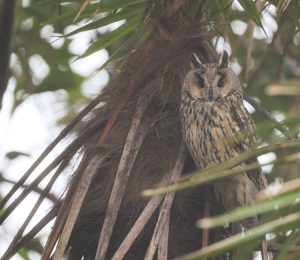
{"x":213,"y":118}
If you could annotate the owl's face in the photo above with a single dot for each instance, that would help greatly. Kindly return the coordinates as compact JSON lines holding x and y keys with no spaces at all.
{"x":211,"y":82}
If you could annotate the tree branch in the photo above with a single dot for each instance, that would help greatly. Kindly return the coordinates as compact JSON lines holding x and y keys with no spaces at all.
{"x":135,"y":138}
{"x":164,"y":214}
{"x":81,"y":191}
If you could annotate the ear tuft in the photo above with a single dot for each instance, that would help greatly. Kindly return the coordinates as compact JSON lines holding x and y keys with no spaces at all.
{"x":196,"y":61}
{"x":223,"y":63}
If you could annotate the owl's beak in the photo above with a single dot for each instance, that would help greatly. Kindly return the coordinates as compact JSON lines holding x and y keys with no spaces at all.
{"x":210,"y":94}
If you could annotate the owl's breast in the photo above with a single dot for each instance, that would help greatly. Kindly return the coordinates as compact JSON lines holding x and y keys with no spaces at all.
{"x":210,"y":133}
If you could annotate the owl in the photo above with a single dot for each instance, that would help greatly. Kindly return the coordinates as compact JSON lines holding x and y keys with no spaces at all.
{"x":212,"y":119}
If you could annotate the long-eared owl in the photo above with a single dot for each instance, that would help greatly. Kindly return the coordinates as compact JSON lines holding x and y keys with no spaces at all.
{"x":212,"y":118}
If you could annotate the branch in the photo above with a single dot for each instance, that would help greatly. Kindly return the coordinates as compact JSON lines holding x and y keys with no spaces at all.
{"x":140,"y":223}
{"x":162,"y":252}
{"x":135,"y":138}
{"x":164,"y":214}
{"x":81,"y":191}
{"x":205,"y":232}
{"x":6,"y":28}
{"x":264,"y":248}
{"x":36,"y":229}
{"x":36,"y":206}
{"x":63,"y":210}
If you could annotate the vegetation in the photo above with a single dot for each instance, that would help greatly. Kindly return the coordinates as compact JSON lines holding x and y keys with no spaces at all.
{"x":149,"y":53}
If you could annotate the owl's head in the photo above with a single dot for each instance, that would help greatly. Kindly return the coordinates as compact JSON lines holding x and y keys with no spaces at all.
{"x":212,"y":81}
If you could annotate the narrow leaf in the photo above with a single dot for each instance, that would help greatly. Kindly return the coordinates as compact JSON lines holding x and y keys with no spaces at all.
{"x":287,"y":244}
{"x":111,"y":37}
{"x":111,"y":18}
{"x":251,"y":10}
{"x":14,"y":154}
{"x":241,"y":239}
{"x":116,"y":4}
{"x":214,"y":172}
{"x":139,"y":36}
{"x":71,"y":13}
{"x":258,"y":208}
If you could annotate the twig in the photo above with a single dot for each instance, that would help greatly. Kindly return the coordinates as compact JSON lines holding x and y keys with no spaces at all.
{"x":259,"y":108}
{"x":68,"y":152}
{"x":63,"y":211}
{"x":51,"y":146}
{"x":140,"y":223}
{"x":21,"y":230}
{"x":26,"y":191}
{"x":134,"y":141}
{"x":6,"y":28}
{"x":264,"y":249}
{"x":36,"y":189}
{"x":283,"y":5}
{"x":137,"y":227}
{"x":82,"y":8}
{"x":80,"y":193}
{"x":162,"y":252}
{"x":205,"y":232}
{"x":36,"y":229}
{"x":166,"y":206}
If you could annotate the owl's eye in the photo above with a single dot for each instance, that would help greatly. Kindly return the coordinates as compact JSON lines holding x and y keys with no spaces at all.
{"x":200,"y":82}
{"x":221,"y":82}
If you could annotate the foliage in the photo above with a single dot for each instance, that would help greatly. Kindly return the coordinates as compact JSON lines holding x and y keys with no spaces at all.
{"x":265,"y":54}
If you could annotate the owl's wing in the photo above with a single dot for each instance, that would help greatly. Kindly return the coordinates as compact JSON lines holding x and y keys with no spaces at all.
{"x":244,"y":139}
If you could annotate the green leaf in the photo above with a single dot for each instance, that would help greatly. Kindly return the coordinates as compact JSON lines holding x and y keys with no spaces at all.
{"x":235,"y":241}
{"x":71,"y":13}
{"x":251,"y":10}
{"x":280,"y":201}
{"x":111,"y":37}
{"x":287,"y":244}
{"x":14,"y":154}
{"x":116,"y":4}
{"x":123,"y":14}
{"x":139,"y":36}
{"x":214,"y":172}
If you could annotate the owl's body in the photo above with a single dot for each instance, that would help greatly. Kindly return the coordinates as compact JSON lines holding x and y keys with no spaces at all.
{"x":213,"y":120}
